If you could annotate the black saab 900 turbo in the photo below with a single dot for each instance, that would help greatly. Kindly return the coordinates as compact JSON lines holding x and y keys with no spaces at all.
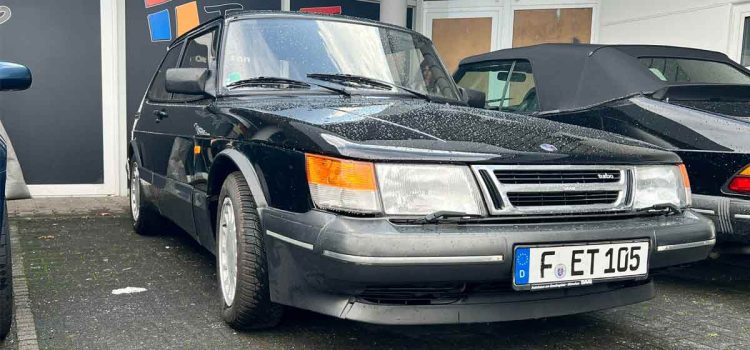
{"x":331,"y":165}
{"x":693,"y":102}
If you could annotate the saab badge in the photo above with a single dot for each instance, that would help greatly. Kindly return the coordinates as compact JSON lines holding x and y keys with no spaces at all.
{"x":548,"y":147}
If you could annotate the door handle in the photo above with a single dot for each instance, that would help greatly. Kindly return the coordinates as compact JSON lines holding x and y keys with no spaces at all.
{"x":160,"y":114}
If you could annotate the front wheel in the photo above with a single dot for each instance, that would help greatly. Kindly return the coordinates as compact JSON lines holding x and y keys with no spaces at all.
{"x":241,"y":260}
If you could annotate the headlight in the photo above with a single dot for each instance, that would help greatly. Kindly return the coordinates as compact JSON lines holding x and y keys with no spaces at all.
{"x":662,"y":184}
{"x":351,"y":186}
{"x":425,"y":189}
{"x":343,"y":185}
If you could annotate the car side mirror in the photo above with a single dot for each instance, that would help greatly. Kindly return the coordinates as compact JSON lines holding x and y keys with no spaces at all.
{"x":473,"y":98}
{"x":187,"y":81}
{"x":14,"y":77}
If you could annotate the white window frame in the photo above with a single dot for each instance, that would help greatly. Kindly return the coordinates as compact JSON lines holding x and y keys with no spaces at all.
{"x":502,"y":12}
{"x":429,"y":10}
{"x":736,"y":29}
{"x":114,"y":124}
{"x":553,"y":5}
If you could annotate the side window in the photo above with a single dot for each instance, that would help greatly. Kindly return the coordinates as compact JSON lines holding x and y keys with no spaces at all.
{"x":157,"y":92}
{"x":509,"y":85}
{"x":200,"y":52}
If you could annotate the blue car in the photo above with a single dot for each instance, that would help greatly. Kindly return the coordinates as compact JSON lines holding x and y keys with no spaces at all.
{"x":13,"y":77}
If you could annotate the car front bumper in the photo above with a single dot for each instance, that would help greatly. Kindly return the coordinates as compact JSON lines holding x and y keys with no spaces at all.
{"x":731,"y":216}
{"x":372,"y":270}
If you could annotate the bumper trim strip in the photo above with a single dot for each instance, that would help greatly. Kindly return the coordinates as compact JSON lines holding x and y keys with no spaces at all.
{"x":291,"y":241}
{"x":742,"y":216}
{"x":663,"y":248}
{"x":704,"y":211}
{"x":412,"y":260}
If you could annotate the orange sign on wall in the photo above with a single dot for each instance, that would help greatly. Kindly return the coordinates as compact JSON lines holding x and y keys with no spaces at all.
{"x":187,"y":17}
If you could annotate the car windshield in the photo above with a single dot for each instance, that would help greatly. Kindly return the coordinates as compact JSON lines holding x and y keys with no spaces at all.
{"x":684,"y":70}
{"x":294,"y":48}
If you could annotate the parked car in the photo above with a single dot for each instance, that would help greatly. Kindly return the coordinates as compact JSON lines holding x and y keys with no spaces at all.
{"x":331,"y":165}
{"x":12,"y":77}
{"x":693,"y":102}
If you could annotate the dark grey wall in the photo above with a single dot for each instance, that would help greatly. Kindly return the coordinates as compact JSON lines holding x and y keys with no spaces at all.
{"x":56,"y":126}
{"x":143,"y":56}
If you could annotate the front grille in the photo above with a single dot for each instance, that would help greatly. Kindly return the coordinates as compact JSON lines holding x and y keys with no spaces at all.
{"x":543,"y":190}
{"x":557,"y":176}
{"x":534,"y":199}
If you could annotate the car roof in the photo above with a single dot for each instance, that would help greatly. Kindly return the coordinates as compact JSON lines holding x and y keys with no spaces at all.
{"x":234,"y":15}
{"x":576,"y":76}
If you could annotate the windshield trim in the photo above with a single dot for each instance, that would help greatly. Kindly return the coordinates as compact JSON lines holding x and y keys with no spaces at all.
{"x":222,"y":90}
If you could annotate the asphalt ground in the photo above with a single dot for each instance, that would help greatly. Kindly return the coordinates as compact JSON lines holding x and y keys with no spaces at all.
{"x":72,"y":265}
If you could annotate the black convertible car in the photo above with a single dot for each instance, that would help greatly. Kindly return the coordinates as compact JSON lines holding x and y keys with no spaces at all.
{"x":693,"y":102}
{"x":331,"y":165}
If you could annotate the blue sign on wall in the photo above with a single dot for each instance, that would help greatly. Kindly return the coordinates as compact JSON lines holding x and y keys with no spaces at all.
{"x":160,"y":26}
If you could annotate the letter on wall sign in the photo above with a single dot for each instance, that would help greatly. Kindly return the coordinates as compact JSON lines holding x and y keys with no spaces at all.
{"x":4,"y":14}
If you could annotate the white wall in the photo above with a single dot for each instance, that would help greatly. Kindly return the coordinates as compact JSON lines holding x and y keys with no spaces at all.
{"x":703,"y":24}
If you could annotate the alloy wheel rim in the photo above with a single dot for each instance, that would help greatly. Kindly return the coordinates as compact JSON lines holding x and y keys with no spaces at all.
{"x":227,"y":252}
{"x":135,"y":193}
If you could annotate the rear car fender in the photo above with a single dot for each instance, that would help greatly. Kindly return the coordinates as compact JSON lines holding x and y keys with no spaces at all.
{"x":134,"y":153}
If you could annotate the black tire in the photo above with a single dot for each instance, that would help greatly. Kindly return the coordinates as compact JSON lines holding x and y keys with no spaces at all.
{"x":251,"y":307}
{"x":6,"y":279}
{"x":146,"y":220}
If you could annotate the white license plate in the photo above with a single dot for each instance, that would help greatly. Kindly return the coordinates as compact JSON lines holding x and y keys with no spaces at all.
{"x":546,"y":267}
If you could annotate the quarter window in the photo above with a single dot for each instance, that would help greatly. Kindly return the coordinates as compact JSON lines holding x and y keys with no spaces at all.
{"x":200,"y":52}
{"x":685,"y":70}
{"x":509,"y":85}
{"x":157,"y":92}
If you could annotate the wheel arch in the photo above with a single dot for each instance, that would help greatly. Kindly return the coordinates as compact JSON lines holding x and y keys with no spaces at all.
{"x":225,"y":163}
{"x":134,"y":153}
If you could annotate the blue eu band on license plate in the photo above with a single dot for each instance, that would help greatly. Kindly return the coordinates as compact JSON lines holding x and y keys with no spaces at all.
{"x":522,"y":266}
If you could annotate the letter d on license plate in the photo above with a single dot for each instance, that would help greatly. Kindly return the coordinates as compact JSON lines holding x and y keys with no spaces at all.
{"x":546,"y":267}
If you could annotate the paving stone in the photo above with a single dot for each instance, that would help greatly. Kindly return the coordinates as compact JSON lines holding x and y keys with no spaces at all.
{"x":70,"y":279}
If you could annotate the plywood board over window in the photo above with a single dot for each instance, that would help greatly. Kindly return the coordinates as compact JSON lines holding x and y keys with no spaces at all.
{"x":456,"y":38}
{"x":570,"y":25}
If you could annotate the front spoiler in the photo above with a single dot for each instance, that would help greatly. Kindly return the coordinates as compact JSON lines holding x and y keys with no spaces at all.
{"x":325,"y":263}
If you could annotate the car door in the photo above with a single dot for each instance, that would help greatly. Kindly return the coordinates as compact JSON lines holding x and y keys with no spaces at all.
{"x":180,"y":119}
{"x":150,"y":133}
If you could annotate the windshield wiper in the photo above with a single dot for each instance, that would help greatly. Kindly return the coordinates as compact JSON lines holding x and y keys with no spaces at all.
{"x":668,"y":208}
{"x":274,"y":81}
{"x":362,"y":80}
{"x":446,"y":216}
{"x":279,"y":81}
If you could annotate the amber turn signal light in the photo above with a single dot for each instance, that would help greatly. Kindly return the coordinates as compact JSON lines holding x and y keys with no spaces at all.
{"x":685,"y":177}
{"x":342,"y":184}
{"x":349,"y":174}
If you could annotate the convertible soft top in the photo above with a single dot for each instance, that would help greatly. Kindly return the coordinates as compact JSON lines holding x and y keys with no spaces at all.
{"x":575,"y":76}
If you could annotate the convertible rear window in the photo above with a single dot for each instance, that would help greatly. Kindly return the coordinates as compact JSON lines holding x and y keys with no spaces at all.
{"x":685,"y":70}
{"x":509,"y":85}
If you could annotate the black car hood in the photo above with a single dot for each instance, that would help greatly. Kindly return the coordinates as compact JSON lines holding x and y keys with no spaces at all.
{"x":402,"y":129}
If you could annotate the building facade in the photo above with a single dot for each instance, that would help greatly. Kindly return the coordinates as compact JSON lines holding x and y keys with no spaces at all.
{"x":92,"y":60}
